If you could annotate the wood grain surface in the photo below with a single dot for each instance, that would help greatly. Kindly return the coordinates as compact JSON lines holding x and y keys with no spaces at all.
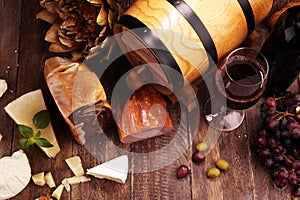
{"x":22,"y":55}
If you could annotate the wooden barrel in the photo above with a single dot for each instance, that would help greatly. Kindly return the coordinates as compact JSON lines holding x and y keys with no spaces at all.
{"x":187,"y":35}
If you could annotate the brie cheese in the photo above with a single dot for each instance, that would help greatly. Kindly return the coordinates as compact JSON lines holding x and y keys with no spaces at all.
{"x":22,"y":111}
{"x":15,"y":174}
{"x":115,"y":169}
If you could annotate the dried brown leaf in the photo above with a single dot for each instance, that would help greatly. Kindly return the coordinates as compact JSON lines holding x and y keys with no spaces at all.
{"x":102,"y":17}
{"x":52,"y":7}
{"x":46,"y":16}
{"x":96,"y":2}
{"x":59,"y":48}
{"x":52,"y":34}
{"x":68,"y":42}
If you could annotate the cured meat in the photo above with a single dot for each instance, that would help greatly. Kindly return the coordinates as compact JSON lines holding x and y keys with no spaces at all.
{"x":143,"y":116}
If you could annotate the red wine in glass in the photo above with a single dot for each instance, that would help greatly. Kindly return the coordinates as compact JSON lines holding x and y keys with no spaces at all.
{"x":241,"y":79}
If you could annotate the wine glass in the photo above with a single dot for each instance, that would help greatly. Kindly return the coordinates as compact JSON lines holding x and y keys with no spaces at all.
{"x":240,"y":80}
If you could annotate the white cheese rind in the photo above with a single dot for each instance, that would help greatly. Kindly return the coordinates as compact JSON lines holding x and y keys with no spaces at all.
{"x":15,"y":174}
{"x":115,"y":170}
{"x":22,"y":110}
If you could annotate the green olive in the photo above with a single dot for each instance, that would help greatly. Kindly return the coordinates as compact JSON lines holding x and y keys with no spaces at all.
{"x":202,"y":146}
{"x":222,"y":164}
{"x":213,"y":172}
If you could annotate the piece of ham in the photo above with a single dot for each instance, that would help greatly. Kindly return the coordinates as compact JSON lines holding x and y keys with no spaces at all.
{"x":143,"y":116}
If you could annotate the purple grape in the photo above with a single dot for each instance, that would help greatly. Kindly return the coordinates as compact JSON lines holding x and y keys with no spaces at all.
{"x":280,"y":183}
{"x":263,"y":132}
{"x":297,"y":97}
{"x":182,"y":171}
{"x":296,"y":164}
{"x":260,"y":141}
{"x":288,"y":161}
{"x":273,"y":124}
{"x":269,"y":162}
{"x":283,"y":174}
{"x":295,"y":132}
{"x":296,"y":191}
{"x":272,"y":142}
{"x":265,"y":152}
{"x":271,"y":111}
{"x":283,"y":123}
{"x":278,"y":157}
{"x":271,"y":102}
{"x":198,"y":156}
{"x":263,"y":107}
{"x":292,"y":179}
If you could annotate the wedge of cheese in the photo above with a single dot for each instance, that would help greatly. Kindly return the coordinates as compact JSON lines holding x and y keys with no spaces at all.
{"x":115,"y":169}
{"x":22,"y":111}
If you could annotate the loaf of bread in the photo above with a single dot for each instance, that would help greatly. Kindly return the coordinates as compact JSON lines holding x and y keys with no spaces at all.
{"x":79,"y":97}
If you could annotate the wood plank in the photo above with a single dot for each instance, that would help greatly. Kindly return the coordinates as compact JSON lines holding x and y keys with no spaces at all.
{"x":32,"y":53}
{"x":10,"y":21}
{"x":156,"y":175}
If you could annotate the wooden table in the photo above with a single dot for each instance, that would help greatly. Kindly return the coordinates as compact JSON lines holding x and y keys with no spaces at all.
{"x":22,"y":55}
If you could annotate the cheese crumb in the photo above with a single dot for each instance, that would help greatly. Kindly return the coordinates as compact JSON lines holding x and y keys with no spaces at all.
{"x":58,"y":192}
{"x":3,"y":87}
{"x":75,"y":165}
{"x":39,"y":179}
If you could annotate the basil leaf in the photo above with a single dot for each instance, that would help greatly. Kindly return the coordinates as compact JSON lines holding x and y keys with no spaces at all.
{"x":26,"y":131}
{"x":24,"y":143}
{"x":42,"y":142}
{"x":41,"y":119}
{"x":38,"y":134}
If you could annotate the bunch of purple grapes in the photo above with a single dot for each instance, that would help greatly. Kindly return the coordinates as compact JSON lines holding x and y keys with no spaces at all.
{"x":278,"y":141}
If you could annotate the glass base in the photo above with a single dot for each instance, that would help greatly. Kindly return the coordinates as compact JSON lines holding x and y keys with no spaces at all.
{"x":223,"y":118}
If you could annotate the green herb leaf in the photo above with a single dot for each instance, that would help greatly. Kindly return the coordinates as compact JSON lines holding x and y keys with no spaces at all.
{"x":24,"y":143}
{"x":41,"y":119}
{"x":38,"y":134}
{"x":25,"y":130}
{"x":42,"y":142}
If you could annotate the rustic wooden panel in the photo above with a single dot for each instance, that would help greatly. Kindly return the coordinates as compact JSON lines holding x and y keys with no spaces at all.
{"x":23,"y":70}
{"x":10,"y":21}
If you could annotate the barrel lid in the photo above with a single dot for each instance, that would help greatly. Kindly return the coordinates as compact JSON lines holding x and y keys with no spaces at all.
{"x":150,"y":43}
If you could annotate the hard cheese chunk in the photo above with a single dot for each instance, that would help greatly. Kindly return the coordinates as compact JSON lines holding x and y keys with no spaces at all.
{"x":75,"y":165}
{"x":22,"y":111}
{"x":50,"y":180}
{"x":39,"y":179}
{"x":15,"y":173}
{"x":115,"y":170}
{"x":58,"y":192}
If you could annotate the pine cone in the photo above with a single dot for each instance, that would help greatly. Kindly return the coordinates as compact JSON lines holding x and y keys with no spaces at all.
{"x":76,"y":26}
